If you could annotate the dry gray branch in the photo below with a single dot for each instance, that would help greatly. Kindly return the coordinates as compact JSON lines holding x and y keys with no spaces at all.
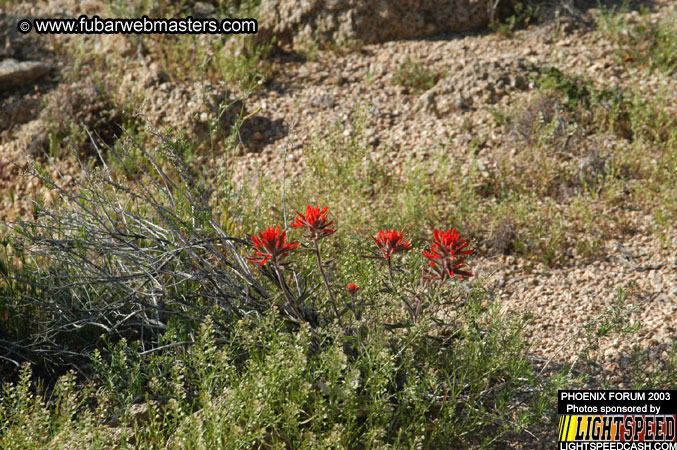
{"x":122,"y":258}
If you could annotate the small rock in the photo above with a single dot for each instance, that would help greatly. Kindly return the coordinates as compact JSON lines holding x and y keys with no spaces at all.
{"x":203,"y":10}
{"x":459,"y":102}
{"x":14,"y":73}
{"x":137,"y":413}
{"x":323,"y":101}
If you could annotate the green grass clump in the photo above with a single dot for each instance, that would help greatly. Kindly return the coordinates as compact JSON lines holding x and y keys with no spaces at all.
{"x":200,"y":57}
{"x":644,"y":42}
{"x":416,"y":76}
{"x":522,"y":14}
{"x":560,"y":163}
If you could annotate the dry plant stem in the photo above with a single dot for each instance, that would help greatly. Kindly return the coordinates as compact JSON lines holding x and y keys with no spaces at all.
{"x":390,"y":272}
{"x":286,"y":292}
{"x":419,"y":304}
{"x":326,"y":282}
{"x":98,"y":234}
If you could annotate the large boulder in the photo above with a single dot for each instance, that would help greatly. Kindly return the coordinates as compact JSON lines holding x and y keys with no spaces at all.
{"x":298,"y":22}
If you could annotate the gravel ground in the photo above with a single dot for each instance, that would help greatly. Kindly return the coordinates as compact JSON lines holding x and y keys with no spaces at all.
{"x":560,"y":301}
{"x":313,"y":94}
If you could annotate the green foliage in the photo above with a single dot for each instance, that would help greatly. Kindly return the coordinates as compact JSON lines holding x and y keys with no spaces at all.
{"x":201,"y":57}
{"x":415,"y":75}
{"x":662,"y":374}
{"x":313,"y":387}
{"x":67,"y":417}
{"x":303,"y":390}
{"x":467,"y":384}
{"x":642,"y":42}
{"x":616,"y":320}
{"x":576,"y":89}
{"x":80,"y":114}
{"x":568,"y":113}
{"x":523,"y":13}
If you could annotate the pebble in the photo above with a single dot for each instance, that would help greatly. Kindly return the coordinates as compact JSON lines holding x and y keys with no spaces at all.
{"x":14,"y":73}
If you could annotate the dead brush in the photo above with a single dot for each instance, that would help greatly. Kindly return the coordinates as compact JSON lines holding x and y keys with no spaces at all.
{"x":547,"y":120}
{"x":568,"y":133}
{"x":122,"y":260}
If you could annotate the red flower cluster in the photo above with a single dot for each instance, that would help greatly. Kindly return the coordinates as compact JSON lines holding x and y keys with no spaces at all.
{"x":315,"y":221}
{"x":447,"y":256}
{"x":271,"y":245}
{"x":390,"y":241}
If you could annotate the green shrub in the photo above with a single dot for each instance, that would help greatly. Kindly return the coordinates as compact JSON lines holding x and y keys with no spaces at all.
{"x":416,"y":76}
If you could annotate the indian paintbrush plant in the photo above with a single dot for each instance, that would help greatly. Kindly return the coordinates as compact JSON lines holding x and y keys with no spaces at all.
{"x":271,"y":246}
{"x":388,"y":243}
{"x":445,"y":261}
{"x":315,"y":222}
{"x":447,"y":256}
{"x":352,"y":289}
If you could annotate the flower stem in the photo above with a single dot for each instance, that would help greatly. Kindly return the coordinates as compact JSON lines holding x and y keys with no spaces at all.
{"x":286,"y":292}
{"x":390,"y":273}
{"x":326,"y":282}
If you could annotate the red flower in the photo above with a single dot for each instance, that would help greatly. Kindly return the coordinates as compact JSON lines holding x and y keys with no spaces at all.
{"x":315,"y":221}
{"x":352,"y":288}
{"x":450,"y":242}
{"x":447,"y":256}
{"x":390,"y":241}
{"x":271,"y":245}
